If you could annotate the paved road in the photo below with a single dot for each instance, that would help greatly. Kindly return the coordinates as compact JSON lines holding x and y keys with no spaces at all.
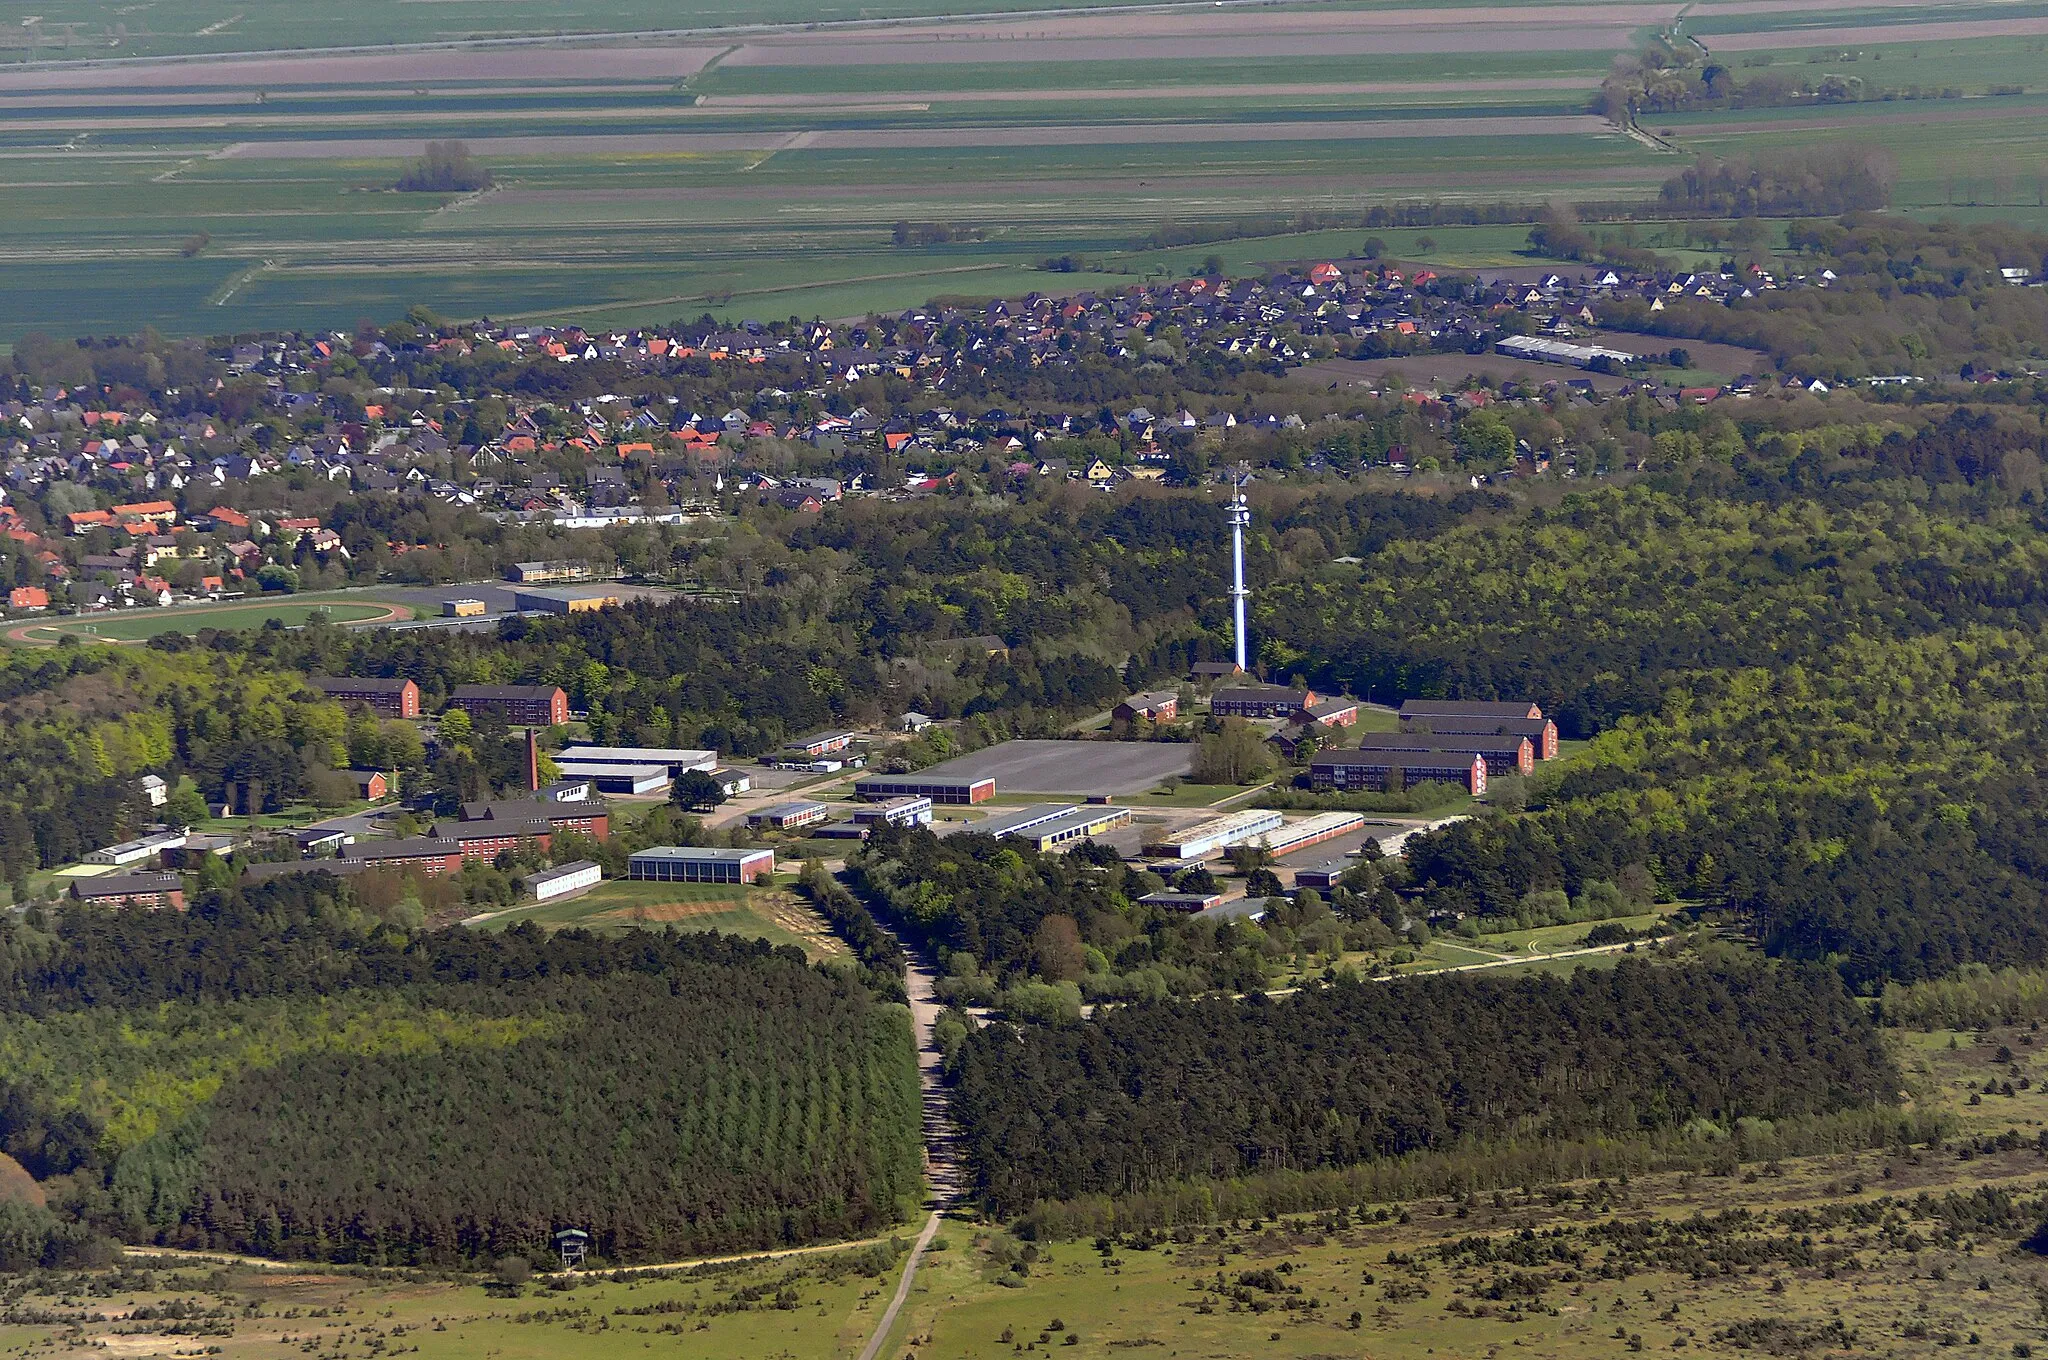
{"x":940,"y":1143}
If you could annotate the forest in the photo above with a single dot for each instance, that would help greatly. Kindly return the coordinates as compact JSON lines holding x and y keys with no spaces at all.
{"x":1161,"y":1092}
{"x":282,"y":1071}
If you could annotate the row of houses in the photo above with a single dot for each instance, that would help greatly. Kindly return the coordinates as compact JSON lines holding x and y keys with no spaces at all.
{"x":1443,"y":741}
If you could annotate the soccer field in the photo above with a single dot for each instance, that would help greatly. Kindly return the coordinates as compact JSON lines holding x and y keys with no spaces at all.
{"x":139,"y":625}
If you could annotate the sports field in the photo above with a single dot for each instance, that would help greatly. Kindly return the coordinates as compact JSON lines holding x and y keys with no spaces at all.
{"x":230,"y":174}
{"x":139,"y":625}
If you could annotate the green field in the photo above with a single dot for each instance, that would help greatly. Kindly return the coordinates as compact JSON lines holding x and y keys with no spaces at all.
{"x":770,"y":913}
{"x":142,"y":624}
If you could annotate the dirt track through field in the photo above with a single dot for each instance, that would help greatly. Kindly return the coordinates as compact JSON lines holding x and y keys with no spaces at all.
{"x":839,"y":139}
{"x":1872,"y":35}
{"x":648,"y":62}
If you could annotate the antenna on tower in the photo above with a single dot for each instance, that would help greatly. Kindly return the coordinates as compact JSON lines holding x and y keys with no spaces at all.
{"x":1240,"y":518}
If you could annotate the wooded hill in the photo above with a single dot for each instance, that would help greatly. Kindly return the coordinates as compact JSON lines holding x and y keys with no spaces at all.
{"x":1155,"y":1093}
{"x":277,"y":1073}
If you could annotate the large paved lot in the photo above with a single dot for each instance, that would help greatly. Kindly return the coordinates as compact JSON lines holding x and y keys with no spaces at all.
{"x":1082,"y":768}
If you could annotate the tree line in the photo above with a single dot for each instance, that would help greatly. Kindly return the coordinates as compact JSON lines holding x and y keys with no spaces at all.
{"x":1157,"y":1093}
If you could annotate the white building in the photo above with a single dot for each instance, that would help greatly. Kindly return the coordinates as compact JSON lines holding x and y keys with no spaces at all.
{"x":137,"y":850}
{"x":563,"y":880}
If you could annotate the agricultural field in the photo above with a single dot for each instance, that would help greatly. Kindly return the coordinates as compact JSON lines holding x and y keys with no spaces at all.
{"x":139,"y":625}
{"x":774,"y":914}
{"x":760,"y":174}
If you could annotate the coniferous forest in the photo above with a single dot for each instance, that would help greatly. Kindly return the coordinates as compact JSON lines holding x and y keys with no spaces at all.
{"x":1161,"y":1092}
{"x":279,"y":1072}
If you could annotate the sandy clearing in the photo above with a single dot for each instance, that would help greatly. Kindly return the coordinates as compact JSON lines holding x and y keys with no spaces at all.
{"x":642,"y":62}
{"x":840,"y":139}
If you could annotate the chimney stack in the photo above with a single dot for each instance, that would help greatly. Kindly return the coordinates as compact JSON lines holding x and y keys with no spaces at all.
{"x":532,"y":761}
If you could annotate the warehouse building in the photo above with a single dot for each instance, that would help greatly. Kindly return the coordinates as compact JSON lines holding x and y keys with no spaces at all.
{"x":699,"y":864}
{"x":564,"y":880}
{"x":1543,"y":349}
{"x":608,"y":777}
{"x":676,"y":759}
{"x":1382,"y":771}
{"x":1019,"y":819}
{"x":1503,"y":754}
{"x":528,"y":705}
{"x":1073,"y":824}
{"x":155,"y":891}
{"x":566,"y":600}
{"x":392,"y":698}
{"x":1217,"y":833}
{"x":914,"y":811}
{"x":732,"y":782}
{"x":877,"y":788}
{"x":1293,"y":836}
{"x":792,"y":816}
{"x":540,"y":573}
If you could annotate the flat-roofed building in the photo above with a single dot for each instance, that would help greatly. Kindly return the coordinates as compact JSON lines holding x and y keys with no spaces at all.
{"x":462,"y":609}
{"x":699,"y":864}
{"x":1325,"y":875}
{"x":393,"y":698}
{"x":915,"y":811}
{"x":564,"y":880}
{"x":1075,"y":824}
{"x":566,"y":599}
{"x":875,"y":788}
{"x":791,"y":816}
{"x":1018,"y":820}
{"x":607,"y":777}
{"x":677,"y":759}
{"x":1290,"y":837}
{"x":821,"y":743}
{"x":1217,"y":833}
{"x":538,"y":573}
{"x":142,"y":848}
{"x":1190,"y":902}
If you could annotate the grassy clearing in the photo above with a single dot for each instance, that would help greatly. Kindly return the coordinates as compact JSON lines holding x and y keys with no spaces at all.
{"x":769,"y":913}
{"x":141,"y":625}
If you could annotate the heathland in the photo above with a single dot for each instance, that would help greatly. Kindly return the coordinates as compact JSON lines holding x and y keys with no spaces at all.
{"x":249,"y":183}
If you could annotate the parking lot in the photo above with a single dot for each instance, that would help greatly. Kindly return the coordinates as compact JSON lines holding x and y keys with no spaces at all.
{"x":1084,"y":769}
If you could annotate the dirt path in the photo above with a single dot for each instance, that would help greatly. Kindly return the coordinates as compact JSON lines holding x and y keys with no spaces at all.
{"x":940,"y":1143}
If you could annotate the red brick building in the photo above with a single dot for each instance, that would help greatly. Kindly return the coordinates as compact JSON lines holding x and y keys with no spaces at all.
{"x":398,"y":698}
{"x":154,"y":891}
{"x":526,"y":705}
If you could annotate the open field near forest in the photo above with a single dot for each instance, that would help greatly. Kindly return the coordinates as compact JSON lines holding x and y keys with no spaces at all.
{"x":770,"y":913}
{"x":1847,"y":1252}
{"x":760,"y":173}
{"x":139,"y":625}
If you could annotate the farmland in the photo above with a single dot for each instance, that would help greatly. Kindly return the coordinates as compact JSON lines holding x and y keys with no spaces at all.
{"x":247,"y":185}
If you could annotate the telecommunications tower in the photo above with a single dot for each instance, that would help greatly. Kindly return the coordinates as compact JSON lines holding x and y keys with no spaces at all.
{"x":1240,"y":518}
